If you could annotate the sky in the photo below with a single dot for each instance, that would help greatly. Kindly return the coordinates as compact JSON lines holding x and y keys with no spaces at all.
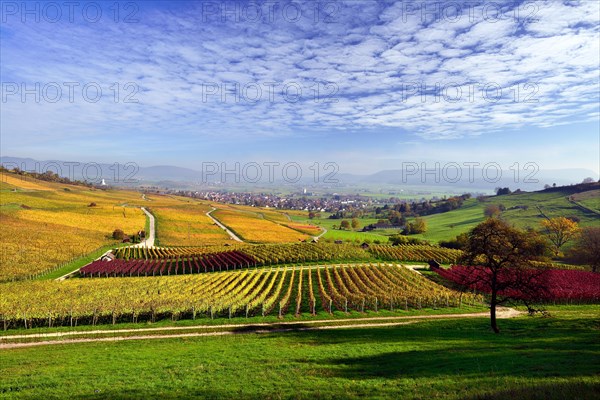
{"x":364,"y":84}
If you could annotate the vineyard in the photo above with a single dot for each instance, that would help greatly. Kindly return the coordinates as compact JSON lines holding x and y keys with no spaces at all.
{"x":253,"y":227}
{"x":186,"y":224}
{"x":544,"y":285}
{"x":177,"y":261}
{"x":273,"y":254}
{"x":211,"y":262}
{"x":421,"y":253}
{"x":265,"y":291}
{"x":158,"y":253}
{"x":45,"y":225}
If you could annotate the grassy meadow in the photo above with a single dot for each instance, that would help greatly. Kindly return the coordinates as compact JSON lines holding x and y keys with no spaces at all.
{"x":524,"y":210}
{"x":547,"y":358}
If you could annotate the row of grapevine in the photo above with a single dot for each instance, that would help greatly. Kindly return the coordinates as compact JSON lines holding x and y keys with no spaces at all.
{"x":540,"y":285}
{"x":158,"y":253}
{"x":265,"y":254}
{"x":245,"y":292}
{"x":155,"y":261}
{"x":420,"y":253}
{"x":211,"y":262}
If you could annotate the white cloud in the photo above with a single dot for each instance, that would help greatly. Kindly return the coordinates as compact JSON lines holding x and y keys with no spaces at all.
{"x":368,"y":54}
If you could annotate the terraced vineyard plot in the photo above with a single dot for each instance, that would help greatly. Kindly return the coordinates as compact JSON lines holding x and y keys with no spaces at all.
{"x":250,"y":227}
{"x":259,"y":255}
{"x":157,"y":253}
{"x":173,"y":266}
{"x":187,"y":225}
{"x":44,"y":224}
{"x":305,"y":252}
{"x":312,"y":230}
{"x":275,"y":291}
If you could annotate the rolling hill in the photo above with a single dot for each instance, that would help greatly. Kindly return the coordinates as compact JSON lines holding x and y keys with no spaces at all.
{"x":524,"y":210}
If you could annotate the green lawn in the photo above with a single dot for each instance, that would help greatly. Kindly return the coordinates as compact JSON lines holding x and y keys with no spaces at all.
{"x":536,"y":358}
{"x":345,"y":235}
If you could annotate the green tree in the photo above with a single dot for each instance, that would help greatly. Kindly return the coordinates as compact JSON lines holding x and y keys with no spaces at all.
{"x":419,"y":225}
{"x":355,"y":224}
{"x":459,"y":243}
{"x":397,"y":240}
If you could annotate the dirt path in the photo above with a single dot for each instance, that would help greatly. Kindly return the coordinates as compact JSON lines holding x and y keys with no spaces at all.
{"x":322,"y":233}
{"x":414,"y":267}
{"x":236,"y":329}
{"x":220,"y":225}
{"x":149,"y":241}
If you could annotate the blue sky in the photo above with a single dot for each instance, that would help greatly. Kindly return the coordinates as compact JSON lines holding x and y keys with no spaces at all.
{"x":396,"y":82}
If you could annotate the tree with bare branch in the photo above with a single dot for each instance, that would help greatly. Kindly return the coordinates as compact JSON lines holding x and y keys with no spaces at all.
{"x":501,"y":257}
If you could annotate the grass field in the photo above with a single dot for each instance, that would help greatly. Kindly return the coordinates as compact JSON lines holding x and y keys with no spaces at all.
{"x":337,"y":234}
{"x":533,"y":358}
{"x":447,"y":225}
{"x":524,"y":210}
{"x":589,"y":199}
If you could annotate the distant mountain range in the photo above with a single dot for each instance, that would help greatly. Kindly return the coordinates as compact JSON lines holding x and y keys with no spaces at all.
{"x":178,"y":177}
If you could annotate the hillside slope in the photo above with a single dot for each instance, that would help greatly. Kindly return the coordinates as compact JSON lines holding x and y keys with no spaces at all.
{"x":45,"y":224}
{"x":524,"y":210}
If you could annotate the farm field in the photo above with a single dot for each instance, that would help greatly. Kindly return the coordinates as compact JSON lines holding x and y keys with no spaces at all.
{"x":551,"y":286}
{"x":534,"y":358}
{"x":590,"y":199}
{"x":193,"y":259}
{"x":448,"y":225}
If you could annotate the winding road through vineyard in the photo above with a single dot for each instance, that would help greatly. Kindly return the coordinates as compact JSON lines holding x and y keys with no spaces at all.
{"x":229,"y":232}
